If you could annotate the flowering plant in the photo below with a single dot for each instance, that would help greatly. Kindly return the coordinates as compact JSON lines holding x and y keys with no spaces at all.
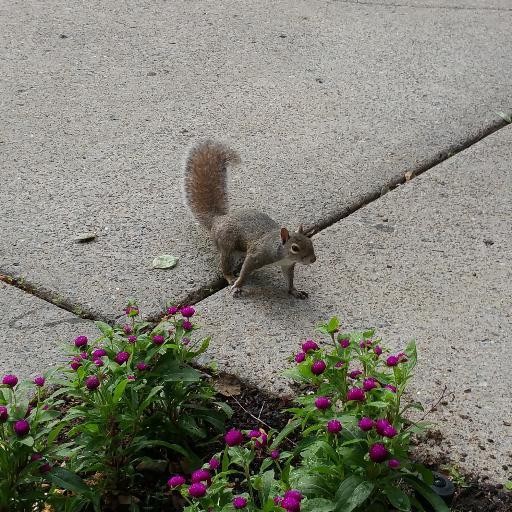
{"x":352,"y":451}
{"x":140,"y":402}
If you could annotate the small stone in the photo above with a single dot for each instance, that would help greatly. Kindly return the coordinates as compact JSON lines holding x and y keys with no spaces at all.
{"x":488,"y":242}
{"x":152,"y":73}
{"x":84,"y":238}
{"x":63,"y":36}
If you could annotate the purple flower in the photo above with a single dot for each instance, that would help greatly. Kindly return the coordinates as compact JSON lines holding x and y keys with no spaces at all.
{"x":278,"y":500}
{"x":393,"y":463}
{"x":132,"y":339}
{"x":390,"y":387}
{"x":99,"y":352}
{"x":355,"y":373}
{"x":92,"y":382}
{"x":131,"y":377}
{"x":254,"y":433}
{"x":98,"y":362}
{"x":365,"y":344}
{"x":274,"y":454}
{"x":21,"y":428}
{"x":369,"y":384}
{"x":172,"y":310}
{"x":4,"y":415}
{"x":201,"y":475}
{"x":377,"y":350}
{"x":356,"y":395}
{"x":84,"y":355}
{"x":345,"y":342}
{"x":291,"y":504}
{"x":39,"y":381}
{"x":366,"y":424}
{"x":187,"y":325}
{"x":318,"y":367}
{"x":259,"y":437}
{"x":333,"y":427}
{"x":340,"y":364}
{"x":185,"y":341}
{"x":300,"y":357}
{"x":239,"y":502}
{"x":197,"y":490}
{"x":234,"y":437}
{"x":45,"y":468}
{"x":187,"y":311}
{"x":214,"y":464}
{"x":392,"y":361}
{"x":309,"y":345}
{"x":176,"y":481}
{"x":378,"y":452}
{"x":10,"y":380}
{"x":381,"y":425}
{"x":35,"y":457}
{"x":122,"y":357}
{"x":293,"y":493}
{"x":402,"y":358}
{"x":322,"y":403}
{"x":390,"y":431}
{"x":127,"y":329}
{"x":141,"y":365}
{"x":131,"y":311}
{"x":81,"y":341}
{"x":75,"y":365}
{"x":158,"y":339}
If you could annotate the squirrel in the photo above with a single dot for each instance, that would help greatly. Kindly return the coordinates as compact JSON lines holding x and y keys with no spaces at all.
{"x":262,"y":239}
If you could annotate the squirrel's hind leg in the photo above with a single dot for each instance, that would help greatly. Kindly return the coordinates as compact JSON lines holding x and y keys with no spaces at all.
{"x":225,"y":265}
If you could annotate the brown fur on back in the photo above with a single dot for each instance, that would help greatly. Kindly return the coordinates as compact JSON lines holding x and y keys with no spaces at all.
{"x":205,"y":180}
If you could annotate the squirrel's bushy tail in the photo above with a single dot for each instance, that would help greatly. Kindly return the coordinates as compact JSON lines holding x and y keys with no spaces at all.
{"x":205,"y":180}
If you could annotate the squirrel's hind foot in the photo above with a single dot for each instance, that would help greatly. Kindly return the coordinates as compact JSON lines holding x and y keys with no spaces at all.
{"x":298,"y":294}
{"x":236,"y":291}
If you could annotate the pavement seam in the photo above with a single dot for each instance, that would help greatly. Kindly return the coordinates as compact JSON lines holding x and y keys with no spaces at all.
{"x":427,"y":6}
{"x":218,"y":284}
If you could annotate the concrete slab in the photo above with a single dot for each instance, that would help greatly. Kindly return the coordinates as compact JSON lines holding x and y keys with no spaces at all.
{"x":492,"y":5}
{"x":326,"y":101}
{"x":32,"y":332}
{"x":429,"y":261}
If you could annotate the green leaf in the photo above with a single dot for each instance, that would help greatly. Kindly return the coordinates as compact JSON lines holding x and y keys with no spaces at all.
{"x":149,"y":399}
{"x":54,"y":433}
{"x":352,"y":492}
{"x":333,"y":325}
{"x":165,"y":261}
{"x":369,"y":333}
{"x":104,"y":328}
{"x":318,"y":505}
{"x":119,"y":390}
{"x":27,"y":441}
{"x":66,"y":479}
{"x":267,"y":480}
{"x":398,"y":498}
{"x":287,"y":430}
{"x":508,"y":485}
{"x":505,"y":117}
{"x":437,"y":503}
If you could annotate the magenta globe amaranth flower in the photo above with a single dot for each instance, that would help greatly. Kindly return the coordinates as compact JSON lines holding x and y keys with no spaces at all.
{"x":234,"y":437}
{"x":356,"y":395}
{"x":309,"y":345}
{"x":132,"y":339}
{"x":21,"y":428}
{"x":172,"y":310}
{"x":369,"y":384}
{"x":322,"y":403}
{"x":390,"y":431}
{"x":345,"y":342}
{"x":176,"y":481}
{"x":366,"y":424}
{"x":340,"y":364}
{"x":393,"y":463}
{"x":402,"y":358}
{"x":39,"y":381}
{"x":290,"y":504}
{"x":187,"y":325}
{"x":293,"y":493}
{"x":278,"y":500}
{"x":381,"y":424}
{"x":187,"y":311}
{"x":84,"y":355}
{"x":355,"y":373}
{"x":392,"y":361}
{"x":274,"y":454}
{"x":98,"y":362}
{"x":201,"y":475}
{"x":45,"y":467}
{"x":214,"y":464}
{"x":92,"y":382}
{"x":127,"y":329}
{"x":35,"y":457}
{"x":4,"y":414}
{"x":158,"y":339}
{"x":197,"y":490}
{"x":390,"y":387}
{"x":99,"y":352}
{"x":333,"y":427}
{"x":81,"y":341}
{"x":141,"y":365}
{"x":318,"y":367}
{"x":300,"y":357}
{"x":10,"y":380}
{"x":131,"y":311}
{"x":122,"y":357}
{"x":239,"y":502}
{"x":378,"y":452}
{"x":377,"y":350}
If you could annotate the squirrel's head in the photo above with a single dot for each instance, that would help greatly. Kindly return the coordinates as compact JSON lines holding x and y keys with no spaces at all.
{"x":298,"y":246}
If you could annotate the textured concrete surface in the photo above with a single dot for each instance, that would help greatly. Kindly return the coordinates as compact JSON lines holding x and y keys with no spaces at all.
{"x":33,"y":333}
{"x":429,"y":261}
{"x":502,"y":5}
{"x":326,"y":101}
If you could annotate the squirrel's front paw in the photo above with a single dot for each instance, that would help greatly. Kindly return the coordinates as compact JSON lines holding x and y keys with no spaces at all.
{"x":236,"y":291}
{"x":298,"y":294}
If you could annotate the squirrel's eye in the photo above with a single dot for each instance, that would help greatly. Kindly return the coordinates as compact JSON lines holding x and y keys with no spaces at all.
{"x":295,"y":248}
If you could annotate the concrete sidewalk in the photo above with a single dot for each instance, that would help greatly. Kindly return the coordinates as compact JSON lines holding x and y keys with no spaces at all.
{"x":329,"y":103}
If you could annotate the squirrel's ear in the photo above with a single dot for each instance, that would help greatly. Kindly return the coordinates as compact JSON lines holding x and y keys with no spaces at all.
{"x":284,"y":235}
{"x":301,"y":230}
